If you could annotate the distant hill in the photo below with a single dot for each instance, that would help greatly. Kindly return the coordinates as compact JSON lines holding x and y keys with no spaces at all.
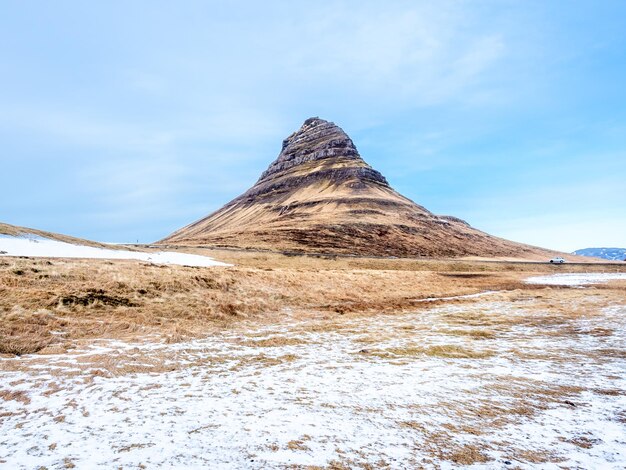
{"x":16,"y":231}
{"x":21,"y":241}
{"x":613,"y":254}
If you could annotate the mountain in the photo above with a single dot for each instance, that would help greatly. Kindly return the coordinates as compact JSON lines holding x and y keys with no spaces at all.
{"x":320,"y":196}
{"x":613,"y":254}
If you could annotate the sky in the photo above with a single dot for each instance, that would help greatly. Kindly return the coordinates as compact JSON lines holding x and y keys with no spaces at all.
{"x":124,"y":121}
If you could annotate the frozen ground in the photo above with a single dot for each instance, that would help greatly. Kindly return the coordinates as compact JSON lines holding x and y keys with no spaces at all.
{"x":36,"y":246}
{"x":576,"y":279}
{"x":486,"y":383}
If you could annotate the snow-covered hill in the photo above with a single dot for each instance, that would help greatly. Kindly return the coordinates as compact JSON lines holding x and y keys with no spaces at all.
{"x":613,"y":254}
{"x":37,"y":246}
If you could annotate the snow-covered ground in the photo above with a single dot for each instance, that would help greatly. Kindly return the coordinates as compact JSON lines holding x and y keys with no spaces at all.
{"x":423,"y":390}
{"x":36,"y":246}
{"x":575,"y":279}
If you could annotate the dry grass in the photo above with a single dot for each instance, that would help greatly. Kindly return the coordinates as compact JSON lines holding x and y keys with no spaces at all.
{"x":276,"y":341}
{"x":466,"y":455}
{"x":472,"y":333}
{"x":49,"y":305}
{"x":299,"y":444}
{"x":468,"y":334}
{"x":17,"y":395}
{"x":446,"y":351}
{"x":44,"y":303}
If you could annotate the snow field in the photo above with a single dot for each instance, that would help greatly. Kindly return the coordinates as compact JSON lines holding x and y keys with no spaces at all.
{"x":419,"y":390}
{"x":576,"y":279}
{"x":43,"y":247}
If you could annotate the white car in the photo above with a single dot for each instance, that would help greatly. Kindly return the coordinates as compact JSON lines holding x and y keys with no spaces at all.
{"x":557,"y":260}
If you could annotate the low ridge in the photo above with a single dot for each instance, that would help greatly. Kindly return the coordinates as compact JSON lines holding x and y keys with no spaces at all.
{"x":320,"y":196}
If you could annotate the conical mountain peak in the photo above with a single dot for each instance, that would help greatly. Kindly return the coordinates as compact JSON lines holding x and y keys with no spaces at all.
{"x":320,"y":196}
{"x":316,"y":133}
{"x":315,"y":141}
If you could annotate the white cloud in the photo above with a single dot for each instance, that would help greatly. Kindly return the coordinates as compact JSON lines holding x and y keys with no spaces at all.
{"x":421,"y":52}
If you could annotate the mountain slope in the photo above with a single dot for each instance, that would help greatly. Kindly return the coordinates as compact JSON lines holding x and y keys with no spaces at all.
{"x":17,"y":231}
{"x":319,"y":195}
{"x":20,"y":242}
{"x":613,"y":254}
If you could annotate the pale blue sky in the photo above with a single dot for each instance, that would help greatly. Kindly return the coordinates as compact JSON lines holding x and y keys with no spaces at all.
{"x":126,"y":120}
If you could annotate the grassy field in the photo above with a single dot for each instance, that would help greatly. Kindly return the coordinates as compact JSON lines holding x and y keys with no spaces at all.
{"x":49,"y":304}
{"x":309,"y":362}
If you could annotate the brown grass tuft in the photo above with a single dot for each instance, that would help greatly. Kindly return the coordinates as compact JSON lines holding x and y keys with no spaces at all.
{"x":467,"y":455}
{"x":446,"y":351}
{"x":17,"y":395}
{"x":276,"y":341}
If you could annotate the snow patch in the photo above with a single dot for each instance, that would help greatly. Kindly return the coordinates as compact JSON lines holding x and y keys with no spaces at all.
{"x":36,"y":246}
{"x":575,"y":279}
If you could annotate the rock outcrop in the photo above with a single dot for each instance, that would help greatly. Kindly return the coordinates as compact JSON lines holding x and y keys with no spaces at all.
{"x":320,"y":196}
{"x":316,"y":140}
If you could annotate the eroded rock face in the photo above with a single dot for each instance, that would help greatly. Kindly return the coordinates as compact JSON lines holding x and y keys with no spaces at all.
{"x":317,"y":140}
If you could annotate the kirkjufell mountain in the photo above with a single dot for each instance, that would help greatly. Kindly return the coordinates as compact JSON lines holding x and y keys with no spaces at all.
{"x":320,"y":196}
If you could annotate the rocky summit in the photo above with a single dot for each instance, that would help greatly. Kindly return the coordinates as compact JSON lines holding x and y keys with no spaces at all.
{"x":320,"y":196}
